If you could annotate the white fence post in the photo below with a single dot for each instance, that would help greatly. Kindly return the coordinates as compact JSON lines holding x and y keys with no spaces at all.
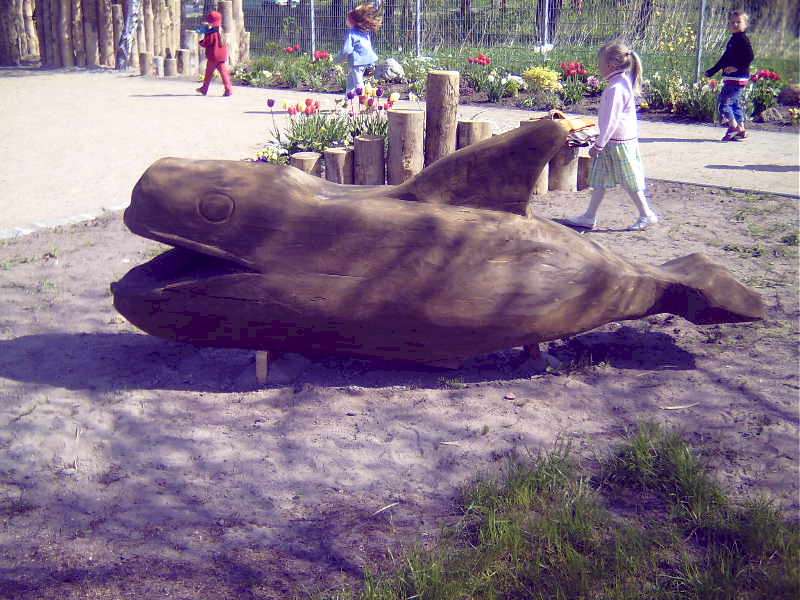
{"x":699,"y":55}
{"x":419,"y":32}
{"x":313,"y":30}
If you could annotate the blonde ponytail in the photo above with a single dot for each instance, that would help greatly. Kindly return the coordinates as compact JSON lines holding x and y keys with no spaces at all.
{"x":636,"y":72}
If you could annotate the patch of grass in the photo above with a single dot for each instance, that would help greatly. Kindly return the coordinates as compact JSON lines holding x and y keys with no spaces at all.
{"x":13,"y":262}
{"x":544,"y":530}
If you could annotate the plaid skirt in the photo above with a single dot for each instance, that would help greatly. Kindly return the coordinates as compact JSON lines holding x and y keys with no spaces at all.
{"x":618,"y":164}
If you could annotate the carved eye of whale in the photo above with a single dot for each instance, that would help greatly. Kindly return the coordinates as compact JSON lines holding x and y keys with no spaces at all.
{"x":216,"y":207}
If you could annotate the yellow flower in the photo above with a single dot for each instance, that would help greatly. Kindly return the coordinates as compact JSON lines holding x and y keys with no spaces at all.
{"x":284,"y":105}
{"x":394,"y":97}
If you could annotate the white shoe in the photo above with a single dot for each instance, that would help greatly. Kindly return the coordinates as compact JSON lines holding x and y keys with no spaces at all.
{"x":644,"y":222}
{"x":582,"y":221}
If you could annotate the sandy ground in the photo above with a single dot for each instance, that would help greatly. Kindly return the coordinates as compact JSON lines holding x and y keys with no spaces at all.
{"x":74,"y":143}
{"x":132,"y":467}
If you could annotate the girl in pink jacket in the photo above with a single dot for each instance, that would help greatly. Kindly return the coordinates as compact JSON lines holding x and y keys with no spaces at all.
{"x":616,"y":151}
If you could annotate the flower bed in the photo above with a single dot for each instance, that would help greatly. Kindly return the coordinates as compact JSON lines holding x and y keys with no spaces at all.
{"x":570,"y":85}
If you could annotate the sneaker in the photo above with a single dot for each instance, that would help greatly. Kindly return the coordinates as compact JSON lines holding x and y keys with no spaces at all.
{"x":730,"y":135}
{"x":201,"y":91}
{"x":740,"y":135}
{"x":227,"y":93}
{"x":582,"y":221}
{"x":644,"y":222}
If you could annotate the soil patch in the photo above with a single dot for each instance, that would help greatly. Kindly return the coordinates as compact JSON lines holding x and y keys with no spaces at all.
{"x":133,"y":467}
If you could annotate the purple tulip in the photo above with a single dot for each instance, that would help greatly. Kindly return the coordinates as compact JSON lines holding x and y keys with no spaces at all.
{"x":379,"y":92}
{"x":359,"y":91}
{"x":350,"y":95}
{"x":271,"y":102}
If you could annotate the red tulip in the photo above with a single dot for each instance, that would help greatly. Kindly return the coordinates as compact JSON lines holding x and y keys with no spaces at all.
{"x":309,"y":102}
{"x":297,"y":47}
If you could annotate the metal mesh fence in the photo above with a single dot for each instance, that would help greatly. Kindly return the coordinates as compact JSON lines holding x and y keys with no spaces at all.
{"x":520,"y":28}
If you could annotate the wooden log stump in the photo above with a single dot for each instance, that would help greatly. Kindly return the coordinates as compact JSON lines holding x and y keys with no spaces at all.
{"x":369,"y":160}
{"x":563,"y":170}
{"x":541,"y":185}
{"x":471,"y":132}
{"x":90,"y":40}
{"x":262,"y":367}
{"x":190,"y":41}
{"x":184,"y":61}
{"x":406,"y":155}
{"x":145,"y":63}
{"x":308,"y":162}
{"x":170,"y":67}
{"x":441,"y":101}
{"x":339,"y":165}
{"x":65,"y":33}
{"x":105,"y":33}
{"x":76,"y":25}
{"x":119,"y":24}
{"x":158,"y":66}
{"x":584,"y":168}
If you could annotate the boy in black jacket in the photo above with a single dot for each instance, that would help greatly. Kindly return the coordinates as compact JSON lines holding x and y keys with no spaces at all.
{"x":735,"y":65}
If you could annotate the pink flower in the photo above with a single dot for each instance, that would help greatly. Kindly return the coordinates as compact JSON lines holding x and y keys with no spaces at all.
{"x":297,"y":47}
{"x":309,"y":102}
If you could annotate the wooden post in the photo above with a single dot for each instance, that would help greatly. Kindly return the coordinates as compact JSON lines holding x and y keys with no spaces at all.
{"x":245,"y":46}
{"x":65,"y":33}
{"x":184,"y":61}
{"x":170,"y":67}
{"x":54,"y":32}
{"x":406,"y":155}
{"x":40,"y":27}
{"x":369,"y":161}
{"x":339,"y":165}
{"x":441,"y":101}
{"x":158,"y":66}
{"x":541,"y":185}
{"x":119,"y":24}
{"x":149,"y":28}
{"x":189,"y":40}
{"x":262,"y":366}
{"x":105,"y":33}
{"x":308,"y":162}
{"x":141,"y":37}
{"x":563,"y":170}
{"x":145,"y":63}
{"x":30,"y":28}
{"x":76,"y":26}
{"x":90,"y":34}
{"x":470,"y":132}
{"x":584,"y":168}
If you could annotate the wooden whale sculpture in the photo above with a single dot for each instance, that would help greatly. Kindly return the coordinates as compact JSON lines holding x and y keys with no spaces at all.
{"x":267,"y":257}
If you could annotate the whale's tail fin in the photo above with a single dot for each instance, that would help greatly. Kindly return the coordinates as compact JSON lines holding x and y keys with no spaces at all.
{"x":706,"y":293}
{"x":498,"y":173}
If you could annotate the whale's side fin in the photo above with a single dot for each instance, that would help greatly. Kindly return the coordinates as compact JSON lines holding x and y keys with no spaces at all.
{"x":706,"y":293}
{"x":496,"y":174}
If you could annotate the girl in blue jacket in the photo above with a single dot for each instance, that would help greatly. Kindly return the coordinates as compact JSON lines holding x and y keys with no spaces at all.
{"x":357,"y":47}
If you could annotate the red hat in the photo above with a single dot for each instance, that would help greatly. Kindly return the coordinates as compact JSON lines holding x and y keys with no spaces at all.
{"x":214,"y":18}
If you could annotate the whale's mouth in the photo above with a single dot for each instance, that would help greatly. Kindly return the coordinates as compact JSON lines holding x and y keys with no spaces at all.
{"x":175,"y":268}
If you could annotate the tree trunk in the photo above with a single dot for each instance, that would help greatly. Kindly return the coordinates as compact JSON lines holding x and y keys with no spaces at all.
{"x":105,"y":32}
{"x":406,"y":156}
{"x":119,"y":26}
{"x":471,"y":132}
{"x":12,"y":31}
{"x":30,"y":28}
{"x":441,"y":101}
{"x":370,"y":164}
{"x":90,"y":33}
{"x":55,"y":38}
{"x":40,"y":33}
{"x":339,"y":165}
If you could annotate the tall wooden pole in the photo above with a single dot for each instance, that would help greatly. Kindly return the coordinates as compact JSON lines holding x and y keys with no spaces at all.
{"x":90,"y":33}
{"x":30,"y":28}
{"x":119,"y":26}
{"x":76,"y":25}
{"x":105,"y":32}
{"x":65,"y":33}
{"x":149,"y":28}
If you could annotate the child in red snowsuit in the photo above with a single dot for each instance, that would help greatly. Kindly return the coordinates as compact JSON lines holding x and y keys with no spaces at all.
{"x":216,"y":54}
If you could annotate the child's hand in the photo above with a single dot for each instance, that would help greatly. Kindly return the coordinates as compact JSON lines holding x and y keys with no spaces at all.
{"x":594,"y":151}
{"x":729,"y":70}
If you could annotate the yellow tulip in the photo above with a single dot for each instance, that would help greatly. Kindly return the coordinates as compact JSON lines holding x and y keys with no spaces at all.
{"x":394,"y":97}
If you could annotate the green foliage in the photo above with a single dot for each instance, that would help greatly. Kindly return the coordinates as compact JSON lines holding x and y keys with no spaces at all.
{"x":573,"y":90}
{"x":763,"y":94}
{"x":314,"y":133}
{"x":372,"y":122}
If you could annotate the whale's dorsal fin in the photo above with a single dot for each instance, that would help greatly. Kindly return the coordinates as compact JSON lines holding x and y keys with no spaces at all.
{"x":498,"y":173}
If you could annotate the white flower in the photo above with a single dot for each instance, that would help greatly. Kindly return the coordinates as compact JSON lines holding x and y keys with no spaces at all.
{"x":412,"y":97}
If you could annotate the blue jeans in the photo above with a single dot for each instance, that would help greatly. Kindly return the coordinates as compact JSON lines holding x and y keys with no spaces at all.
{"x":730,"y":103}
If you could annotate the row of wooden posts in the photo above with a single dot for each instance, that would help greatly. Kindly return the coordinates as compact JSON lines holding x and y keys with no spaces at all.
{"x":86,"y":33}
{"x":417,"y":139}
{"x":190,"y":58}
